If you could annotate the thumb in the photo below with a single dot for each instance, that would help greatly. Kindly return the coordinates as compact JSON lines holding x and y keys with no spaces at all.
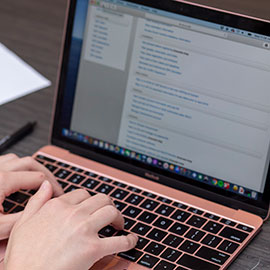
{"x":44,"y":194}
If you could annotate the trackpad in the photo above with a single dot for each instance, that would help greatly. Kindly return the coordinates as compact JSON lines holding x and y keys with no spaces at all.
{"x":113,"y":263}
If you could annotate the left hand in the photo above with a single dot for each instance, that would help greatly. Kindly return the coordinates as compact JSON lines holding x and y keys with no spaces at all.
{"x":20,"y":173}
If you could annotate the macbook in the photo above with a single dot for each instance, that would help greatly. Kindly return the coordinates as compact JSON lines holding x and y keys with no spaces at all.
{"x":165,"y":107}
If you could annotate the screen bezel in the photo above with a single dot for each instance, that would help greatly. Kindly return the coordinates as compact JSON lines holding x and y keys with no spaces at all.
{"x":133,"y":166}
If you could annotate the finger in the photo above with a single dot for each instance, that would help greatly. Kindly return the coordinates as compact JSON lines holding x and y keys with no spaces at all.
{"x":7,"y":223}
{"x":29,"y":164}
{"x":95,"y":203}
{"x":116,"y":244}
{"x":38,"y":200}
{"x":7,"y":157}
{"x":75,"y":197}
{"x":105,"y":216}
{"x":11,"y":182}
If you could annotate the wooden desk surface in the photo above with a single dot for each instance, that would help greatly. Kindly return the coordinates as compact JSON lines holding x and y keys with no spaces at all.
{"x":33,"y":30}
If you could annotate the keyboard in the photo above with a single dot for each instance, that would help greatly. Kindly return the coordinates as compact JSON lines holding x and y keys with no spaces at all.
{"x":172,"y":234}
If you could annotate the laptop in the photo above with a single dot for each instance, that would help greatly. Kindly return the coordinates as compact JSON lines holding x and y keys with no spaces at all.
{"x":165,"y":107}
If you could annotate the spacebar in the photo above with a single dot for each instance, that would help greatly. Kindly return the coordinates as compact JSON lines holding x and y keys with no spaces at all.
{"x":196,"y":264}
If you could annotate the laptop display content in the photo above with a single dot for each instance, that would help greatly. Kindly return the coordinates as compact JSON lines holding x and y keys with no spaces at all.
{"x":182,"y":96}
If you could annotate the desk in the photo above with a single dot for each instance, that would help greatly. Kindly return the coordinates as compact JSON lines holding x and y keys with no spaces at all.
{"x":33,"y":30}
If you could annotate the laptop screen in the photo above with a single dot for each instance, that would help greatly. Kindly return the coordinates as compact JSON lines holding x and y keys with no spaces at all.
{"x":183,"y":96}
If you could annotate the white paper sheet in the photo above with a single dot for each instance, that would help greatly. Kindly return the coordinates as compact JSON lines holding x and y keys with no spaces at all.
{"x":17,"y":78}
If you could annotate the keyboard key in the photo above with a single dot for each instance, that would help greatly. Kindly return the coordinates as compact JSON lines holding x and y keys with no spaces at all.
{"x":132,"y":212}
{"x":244,"y":228}
{"x":76,"y":179}
{"x":196,"y":221}
{"x":33,"y":191}
{"x":142,"y":242}
{"x":78,"y":170}
{"x":213,"y":227}
{"x":164,"y":266}
{"x":211,"y":240}
{"x":148,"y":261}
{"x":211,"y":216}
{"x":133,"y":189}
{"x":131,"y":255}
{"x":189,"y":247}
{"x":118,"y":184}
{"x":194,"y":263}
{"x":50,"y":167}
{"x":180,"y":215}
{"x":90,"y":183}
{"x":212,"y":255}
{"x":164,"y":210}
{"x":128,"y":223}
{"x":180,"y":205}
{"x":121,"y":233}
{"x":91,"y":174}
{"x":164,"y":200}
{"x":149,"y":204}
{"x":149,"y":194}
{"x":92,"y":193}
{"x":156,"y":235}
{"x":232,"y":234}
{"x":107,"y":231}
{"x":62,"y":174}
{"x":180,"y":268}
{"x":141,"y":229}
{"x":17,"y":209}
{"x":173,"y":241}
{"x":147,"y":217}
{"x":40,"y":161}
{"x":195,"y":211}
{"x":134,"y":199}
{"x":228,"y":222}
{"x":105,"y":179}
{"x":46,"y":158}
{"x":119,"y":205}
{"x":154,"y":248}
{"x":71,"y":188}
{"x":119,"y":194}
{"x":163,"y":223}
{"x":62,"y":184}
{"x":178,"y":228}
{"x":18,"y":197}
{"x":62,"y":164}
{"x":7,"y":205}
{"x":105,"y":188}
{"x":171,"y":254}
{"x":228,"y":246}
{"x":195,"y":235}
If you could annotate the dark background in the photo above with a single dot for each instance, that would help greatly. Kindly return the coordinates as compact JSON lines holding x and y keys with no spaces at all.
{"x":33,"y":30}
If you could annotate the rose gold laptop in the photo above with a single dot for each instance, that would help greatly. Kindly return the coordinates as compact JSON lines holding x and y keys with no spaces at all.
{"x":165,"y":107}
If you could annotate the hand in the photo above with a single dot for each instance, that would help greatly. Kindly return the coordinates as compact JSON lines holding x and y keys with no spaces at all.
{"x":62,"y":233}
{"x":20,"y":173}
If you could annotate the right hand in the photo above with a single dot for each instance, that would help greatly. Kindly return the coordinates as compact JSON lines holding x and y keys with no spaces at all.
{"x":62,"y":233}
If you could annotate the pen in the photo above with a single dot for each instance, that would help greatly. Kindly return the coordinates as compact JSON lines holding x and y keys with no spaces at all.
{"x":9,"y":140}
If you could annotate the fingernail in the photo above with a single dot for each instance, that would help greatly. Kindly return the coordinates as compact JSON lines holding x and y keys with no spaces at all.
{"x":135,"y":236}
{"x":44,"y":185}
